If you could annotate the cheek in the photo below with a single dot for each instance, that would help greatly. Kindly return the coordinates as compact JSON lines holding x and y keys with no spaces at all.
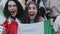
{"x":15,"y":7}
{"x":36,"y":11}
{"x":9,"y":9}
{"x":28,"y":11}
{"x":16,"y":12}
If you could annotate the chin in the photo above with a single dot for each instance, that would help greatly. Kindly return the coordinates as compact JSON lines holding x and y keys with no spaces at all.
{"x":13,"y":15}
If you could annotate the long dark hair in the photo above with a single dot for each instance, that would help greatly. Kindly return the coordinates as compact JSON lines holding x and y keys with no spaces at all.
{"x":19,"y":11}
{"x":26,"y":18}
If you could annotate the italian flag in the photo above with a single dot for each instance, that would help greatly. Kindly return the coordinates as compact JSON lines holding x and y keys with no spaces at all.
{"x":48,"y":29}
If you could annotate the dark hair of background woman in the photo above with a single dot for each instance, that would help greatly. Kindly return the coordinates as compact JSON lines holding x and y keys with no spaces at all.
{"x":20,"y":11}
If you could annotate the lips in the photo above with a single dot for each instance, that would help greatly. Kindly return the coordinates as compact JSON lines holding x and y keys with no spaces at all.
{"x":12,"y":11}
{"x":31,"y":14}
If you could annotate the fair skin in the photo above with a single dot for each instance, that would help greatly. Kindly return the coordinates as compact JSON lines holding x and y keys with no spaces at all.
{"x":12,"y":7}
{"x":32,"y":11}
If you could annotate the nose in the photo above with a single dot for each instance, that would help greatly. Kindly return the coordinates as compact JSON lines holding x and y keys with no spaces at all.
{"x":12,"y":8}
{"x":31,"y":10}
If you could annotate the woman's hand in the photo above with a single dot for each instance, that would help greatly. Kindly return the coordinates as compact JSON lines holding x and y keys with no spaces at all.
{"x":41,"y":19}
{"x":51,"y":21}
{"x":2,"y":30}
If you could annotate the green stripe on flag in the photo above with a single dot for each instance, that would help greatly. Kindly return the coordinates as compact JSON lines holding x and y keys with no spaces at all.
{"x":48,"y":29}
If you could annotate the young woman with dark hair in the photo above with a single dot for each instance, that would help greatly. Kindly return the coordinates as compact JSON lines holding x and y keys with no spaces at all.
{"x":19,"y":10}
{"x":32,"y":13}
{"x":32,"y":22}
{"x":13,"y":12}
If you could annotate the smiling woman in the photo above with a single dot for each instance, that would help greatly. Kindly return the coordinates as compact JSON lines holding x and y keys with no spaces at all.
{"x":12,"y":8}
{"x":31,"y":13}
{"x":13,"y":12}
{"x":32,"y":23}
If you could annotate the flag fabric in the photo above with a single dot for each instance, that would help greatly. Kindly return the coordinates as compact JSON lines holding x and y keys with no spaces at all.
{"x":58,"y":32}
{"x":34,"y":28}
{"x":11,"y":28}
{"x":48,"y":29}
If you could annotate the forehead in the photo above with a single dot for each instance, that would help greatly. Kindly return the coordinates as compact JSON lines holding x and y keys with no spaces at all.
{"x":11,"y":3}
{"x":32,"y":5}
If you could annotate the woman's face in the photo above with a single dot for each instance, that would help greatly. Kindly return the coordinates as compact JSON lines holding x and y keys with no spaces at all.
{"x":12,"y":7}
{"x":32,"y":10}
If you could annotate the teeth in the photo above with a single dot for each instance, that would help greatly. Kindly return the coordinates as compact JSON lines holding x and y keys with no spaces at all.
{"x":12,"y":11}
{"x":31,"y":14}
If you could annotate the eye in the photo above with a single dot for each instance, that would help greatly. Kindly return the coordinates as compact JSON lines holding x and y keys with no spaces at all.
{"x":34,"y":8}
{"x":9,"y":5}
{"x":29,"y":8}
{"x":14,"y":5}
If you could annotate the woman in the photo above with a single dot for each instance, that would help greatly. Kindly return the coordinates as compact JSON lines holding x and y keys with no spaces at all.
{"x":13,"y":13}
{"x":32,"y":22}
{"x":32,"y":13}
